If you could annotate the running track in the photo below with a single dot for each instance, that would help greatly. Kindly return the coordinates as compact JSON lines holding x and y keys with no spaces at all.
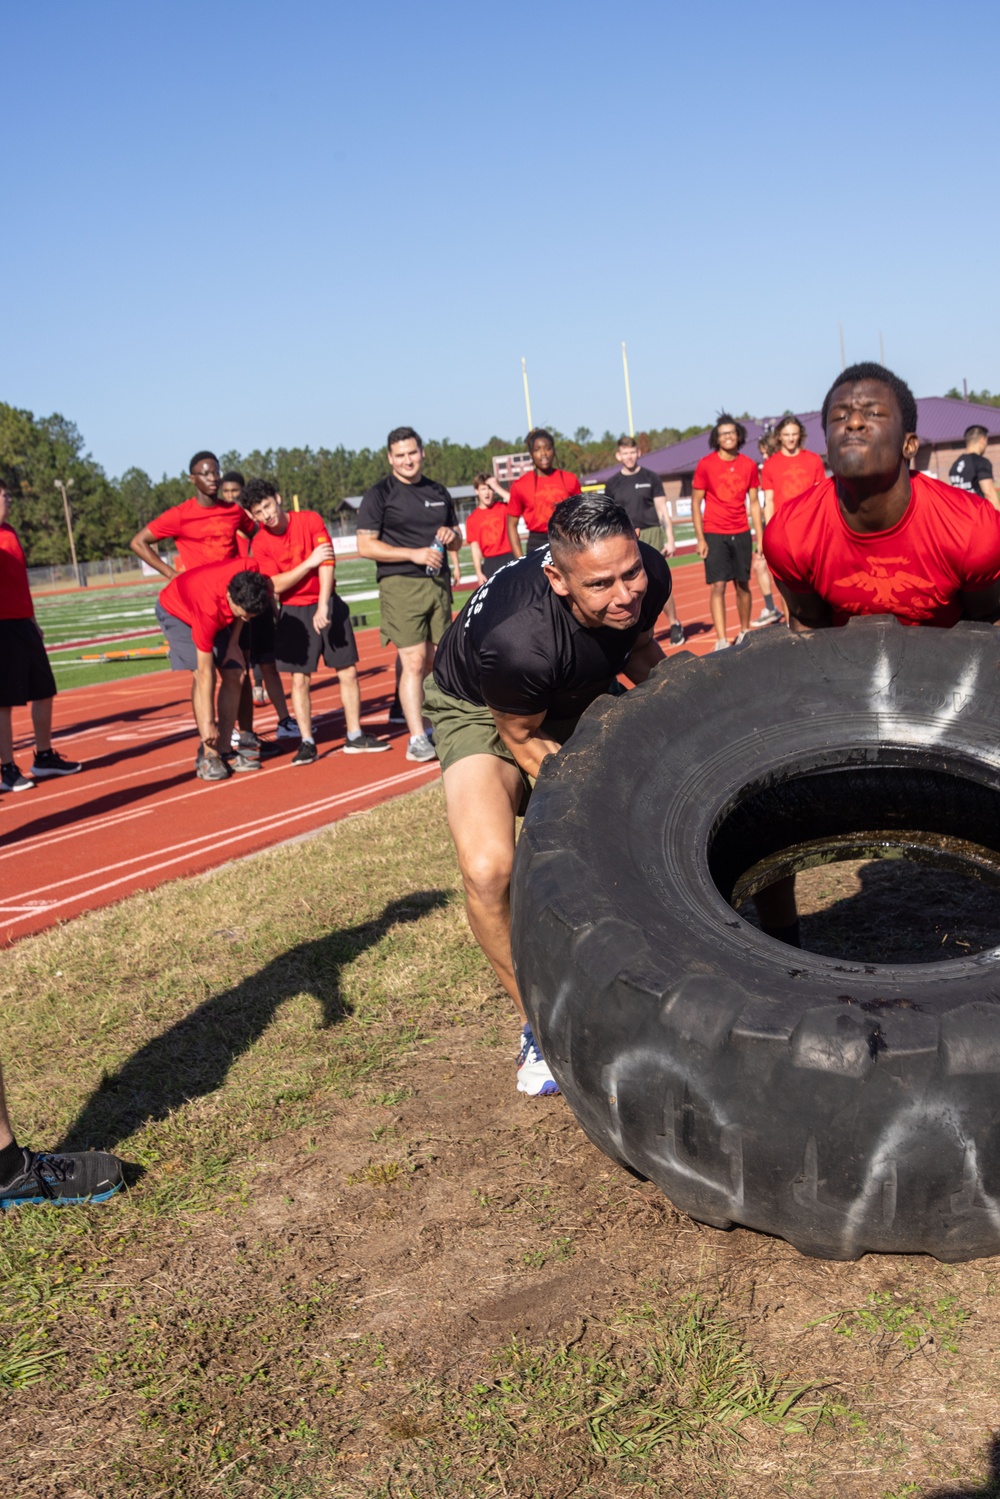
{"x":136,"y":816}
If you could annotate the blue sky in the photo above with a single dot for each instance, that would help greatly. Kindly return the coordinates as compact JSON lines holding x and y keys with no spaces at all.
{"x":261,"y":224}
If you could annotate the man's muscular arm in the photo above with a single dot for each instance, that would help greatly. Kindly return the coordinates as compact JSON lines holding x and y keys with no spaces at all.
{"x":806,"y":611}
{"x":645,"y":654}
{"x":520,"y":734}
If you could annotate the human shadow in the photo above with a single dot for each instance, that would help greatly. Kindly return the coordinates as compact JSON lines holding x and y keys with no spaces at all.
{"x":989,"y":1489}
{"x":192,"y":1058}
{"x":114,"y":801}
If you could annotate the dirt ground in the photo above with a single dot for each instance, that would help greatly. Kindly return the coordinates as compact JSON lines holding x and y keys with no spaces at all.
{"x":433,"y":1286}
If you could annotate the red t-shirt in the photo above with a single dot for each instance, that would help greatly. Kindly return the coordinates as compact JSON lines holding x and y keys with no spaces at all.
{"x":198,"y":597}
{"x":788,"y":476}
{"x":15,"y":595}
{"x":203,"y":533}
{"x":536,"y":495}
{"x":488,"y":529}
{"x":947,"y":543}
{"x":280,"y":554}
{"x":726,"y":486}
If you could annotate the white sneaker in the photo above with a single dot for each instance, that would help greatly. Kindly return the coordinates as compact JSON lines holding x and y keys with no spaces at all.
{"x":766,"y":617}
{"x":741,"y":637}
{"x":533,"y":1075}
{"x":721,"y":645}
{"x":420,"y":748}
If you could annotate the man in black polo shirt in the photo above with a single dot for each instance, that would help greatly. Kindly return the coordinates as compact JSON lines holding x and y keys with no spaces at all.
{"x":406,"y":523}
{"x":529,"y":652}
{"x":640,"y":494}
{"x":973,"y":470}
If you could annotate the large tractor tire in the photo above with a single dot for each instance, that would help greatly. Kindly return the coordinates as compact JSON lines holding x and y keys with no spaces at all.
{"x":844,"y":1106}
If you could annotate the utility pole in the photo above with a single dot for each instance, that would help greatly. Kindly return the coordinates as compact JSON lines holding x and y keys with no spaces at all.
{"x":527,"y":397}
{"x":62,"y":487}
{"x":628,"y":392}
{"x":881,"y":351}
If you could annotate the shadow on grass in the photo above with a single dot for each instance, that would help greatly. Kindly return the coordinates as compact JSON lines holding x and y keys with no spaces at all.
{"x":194,"y":1056}
{"x":990,"y":1489}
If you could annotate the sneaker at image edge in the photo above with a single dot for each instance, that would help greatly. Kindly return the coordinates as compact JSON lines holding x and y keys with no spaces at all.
{"x":50,"y":763}
{"x":766,"y":617}
{"x":62,"y":1179}
{"x":11,"y":779}
{"x":305,"y":754}
{"x":677,"y":636}
{"x":365,"y":744}
{"x":287,"y":729}
{"x":721,"y":645}
{"x":533,"y":1075}
{"x":420,"y":748}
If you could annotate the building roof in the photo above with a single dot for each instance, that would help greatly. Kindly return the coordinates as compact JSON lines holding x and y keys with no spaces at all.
{"x":939,"y":420}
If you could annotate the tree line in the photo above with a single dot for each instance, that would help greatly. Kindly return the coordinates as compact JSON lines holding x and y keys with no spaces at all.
{"x":107,"y":512}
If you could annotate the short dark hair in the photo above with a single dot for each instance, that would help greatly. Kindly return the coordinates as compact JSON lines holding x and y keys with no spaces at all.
{"x":233,"y":476}
{"x":200,"y":458}
{"x":403,"y":434}
{"x":975,"y":431}
{"x":578,"y":522}
{"x":535,"y":435}
{"x":480,"y":479}
{"x":251,"y":591}
{"x":725,"y":420}
{"x":627,"y":441}
{"x":257,"y":490}
{"x":871,"y":371}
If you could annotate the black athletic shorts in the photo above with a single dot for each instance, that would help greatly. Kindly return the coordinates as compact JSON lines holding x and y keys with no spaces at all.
{"x":729,"y":557}
{"x":537,"y":539}
{"x":493,"y":565}
{"x":257,"y":638}
{"x":298,"y":646}
{"x":25,"y":673}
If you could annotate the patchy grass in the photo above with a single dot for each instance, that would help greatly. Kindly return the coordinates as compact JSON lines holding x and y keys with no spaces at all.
{"x":354,"y":1262}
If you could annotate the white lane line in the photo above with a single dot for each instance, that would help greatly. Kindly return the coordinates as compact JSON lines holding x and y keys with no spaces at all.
{"x":263,"y":825}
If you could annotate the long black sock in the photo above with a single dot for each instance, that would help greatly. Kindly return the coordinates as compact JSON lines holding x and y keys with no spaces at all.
{"x":11,"y":1161}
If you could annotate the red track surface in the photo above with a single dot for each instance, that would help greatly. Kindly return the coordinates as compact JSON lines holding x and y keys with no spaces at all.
{"x":136,"y":816}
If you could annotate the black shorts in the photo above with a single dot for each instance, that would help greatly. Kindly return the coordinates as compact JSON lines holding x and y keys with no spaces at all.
{"x":183,"y":651}
{"x":257,"y":638}
{"x":298,"y":646}
{"x":537,"y":539}
{"x":729,"y":557}
{"x":25,"y":673}
{"x":493,"y":565}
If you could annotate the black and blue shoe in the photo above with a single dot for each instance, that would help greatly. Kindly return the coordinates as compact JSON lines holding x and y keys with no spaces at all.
{"x":62,"y":1178}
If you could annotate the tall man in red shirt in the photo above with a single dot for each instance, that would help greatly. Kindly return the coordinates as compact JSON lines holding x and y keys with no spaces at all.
{"x":537,"y":494}
{"x":202,"y":612}
{"x":724,"y":481}
{"x":25,"y":673}
{"x":294,"y":551}
{"x":204,"y":528}
{"x":876,"y":539}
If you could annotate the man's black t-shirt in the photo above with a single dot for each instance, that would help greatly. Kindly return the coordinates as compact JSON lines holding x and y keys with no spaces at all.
{"x":635,"y":493}
{"x":406,"y":515}
{"x":967,"y":472}
{"x":516,"y":646}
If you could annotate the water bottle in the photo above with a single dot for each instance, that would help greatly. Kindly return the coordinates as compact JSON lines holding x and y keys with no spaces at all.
{"x":432,"y":572}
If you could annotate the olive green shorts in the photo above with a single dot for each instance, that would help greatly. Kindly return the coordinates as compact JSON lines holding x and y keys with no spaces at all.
{"x":462,"y":729}
{"x":654,"y":536}
{"x":414,"y":610}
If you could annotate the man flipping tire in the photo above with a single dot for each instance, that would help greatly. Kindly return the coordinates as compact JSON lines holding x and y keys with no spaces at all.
{"x":876,"y":539}
{"x":529,"y":652}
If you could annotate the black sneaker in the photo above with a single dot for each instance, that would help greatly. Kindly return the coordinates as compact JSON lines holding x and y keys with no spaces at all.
{"x":677,"y":635}
{"x":11,"y":779}
{"x":63,"y":1179}
{"x":364,"y":744}
{"x":305,"y":754}
{"x":396,"y":714}
{"x":288,"y":729}
{"x":50,"y":763}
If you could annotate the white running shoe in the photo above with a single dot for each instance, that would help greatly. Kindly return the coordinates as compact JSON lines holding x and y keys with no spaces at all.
{"x":721,"y":645}
{"x":766,"y":617}
{"x":533,"y":1075}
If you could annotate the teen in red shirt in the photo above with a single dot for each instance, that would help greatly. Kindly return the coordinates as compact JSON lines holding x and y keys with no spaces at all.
{"x":876,"y":539}
{"x":537,"y":494}
{"x":725,"y":480}
{"x":25,"y":673}
{"x":294,"y":550}
{"x":791,"y":470}
{"x":486,"y":528}
{"x":201,"y":612}
{"x":204,"y":528}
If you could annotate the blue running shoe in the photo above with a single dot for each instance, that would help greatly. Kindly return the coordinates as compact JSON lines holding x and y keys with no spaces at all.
{"x":533,"y":1075}
{"x":62,"y":1178}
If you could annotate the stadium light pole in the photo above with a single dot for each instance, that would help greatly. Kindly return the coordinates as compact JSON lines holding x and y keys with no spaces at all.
{"x":628,"y":392}
{"x":527,"y":397}
{"x":62,"y":486}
